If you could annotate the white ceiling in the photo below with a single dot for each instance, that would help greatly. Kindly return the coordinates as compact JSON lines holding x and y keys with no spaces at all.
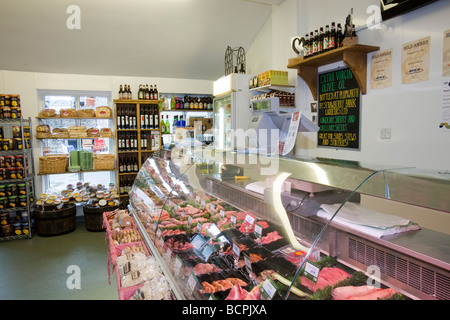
{"x":149,"y":38}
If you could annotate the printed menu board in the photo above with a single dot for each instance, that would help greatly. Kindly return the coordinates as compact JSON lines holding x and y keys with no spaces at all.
{"x":339,"y":110}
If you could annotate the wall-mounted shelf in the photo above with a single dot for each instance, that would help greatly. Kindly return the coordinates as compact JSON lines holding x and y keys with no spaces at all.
{"x":270,"y":88}
{"x":354,"y":56}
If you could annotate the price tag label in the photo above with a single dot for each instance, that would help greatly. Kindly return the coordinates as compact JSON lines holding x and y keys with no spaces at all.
{"x":155,"y":225}
{"x":203,"y":203}
{"x":236,"y":250}
{"x":248,"y":263}
{"x":311,"y":271}
{"x":175,"y":208}
{"x":249,"y":219}
{"x":268,"y":289}
{"x":158,"y":233}
{"x":222,"y":213}
{"x":177,"y":265}
{"x":190,"y":220}
{"x":233,"y":219}
{"x":212,"y":207}
{"x":192,"y":281}
{"x":169,"y":252}
{"x":197,"y":198}
{"x":258,"y":230}
{"x":183,"y":214}
{"x":199,"y":227}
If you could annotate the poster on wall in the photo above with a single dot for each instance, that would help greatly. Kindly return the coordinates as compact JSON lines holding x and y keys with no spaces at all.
{"x":446,"y":52}
{"x":339,"y":110}
{"x":445,"y":111}
{"x":416,"y":61}
{"x":381,"y":69}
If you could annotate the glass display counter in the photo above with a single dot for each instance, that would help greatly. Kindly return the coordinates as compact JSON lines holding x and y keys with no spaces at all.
{"x":237,"y":226}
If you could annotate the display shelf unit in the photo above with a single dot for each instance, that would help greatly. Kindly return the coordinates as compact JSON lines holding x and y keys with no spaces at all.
{"x":141,"y":155}
{"x":270,"y":88}
{"x":48,"y":120}
{"x":28,"y":178}
{"x":354,"y":56}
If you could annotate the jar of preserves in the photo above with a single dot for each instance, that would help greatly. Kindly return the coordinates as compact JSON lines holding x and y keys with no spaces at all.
{"x":10,"y":161}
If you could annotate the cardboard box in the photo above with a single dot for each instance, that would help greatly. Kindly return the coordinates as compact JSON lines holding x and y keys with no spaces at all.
{"x":207,"y":122}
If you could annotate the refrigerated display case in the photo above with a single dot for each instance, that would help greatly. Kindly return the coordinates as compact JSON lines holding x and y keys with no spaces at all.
{"x":231,"y":108}
{"x":230,"y":226}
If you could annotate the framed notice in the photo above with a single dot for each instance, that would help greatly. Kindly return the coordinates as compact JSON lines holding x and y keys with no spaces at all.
{"x":381,"y":69}
{"x":339,"y":110}
{"x":416,"y":61}
{"x":446,"y":51}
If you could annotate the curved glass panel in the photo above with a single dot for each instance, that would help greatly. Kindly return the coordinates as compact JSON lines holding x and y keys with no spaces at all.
{"x":227,"y":225}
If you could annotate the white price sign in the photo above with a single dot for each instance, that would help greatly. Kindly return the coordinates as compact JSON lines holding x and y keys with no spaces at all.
{"x":311,"y":271}
{"x":258,"y":230}
{"x":269,"y":289}
{"x":233,"y":219}
{"x":222,"y":213}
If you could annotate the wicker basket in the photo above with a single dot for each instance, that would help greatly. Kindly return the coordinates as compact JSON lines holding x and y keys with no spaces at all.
{"x":57,"y":163}
{"x":104,"y":162}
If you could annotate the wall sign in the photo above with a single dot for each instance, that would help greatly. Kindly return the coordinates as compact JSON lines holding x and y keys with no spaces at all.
{"x":416,"y":61}
{"x":339,"y":110}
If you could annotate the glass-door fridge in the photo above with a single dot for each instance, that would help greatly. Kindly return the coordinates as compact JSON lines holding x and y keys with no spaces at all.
{"x":231,"y":108}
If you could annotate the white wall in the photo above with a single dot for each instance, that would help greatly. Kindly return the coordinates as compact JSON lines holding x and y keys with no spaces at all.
{"x":27,"y":84}
{"x":411,"y":111}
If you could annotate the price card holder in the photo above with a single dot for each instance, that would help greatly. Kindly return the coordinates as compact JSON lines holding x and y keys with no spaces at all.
{"x":312,"y":271}
{"x":183,"y":214}
{"x":258,"y":230}
{"x":203,"y":203}
{"x":222,"y":213}
{"x":199,"y":227}
{"x":268,"y":289}
{"x":158,"y":233}
{"x":248,"y":263}
{"x":233,"y":219}
{"x":177,"y":265}
{"x":190,"y":220}
{"x":192,"y":281}
{"x":236,"y":250}
{"x":212,"y":208}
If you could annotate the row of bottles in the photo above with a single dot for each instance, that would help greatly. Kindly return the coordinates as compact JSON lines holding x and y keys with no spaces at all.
{"x":125,"y":183}
{"x":149,"y":117}
{"x":126,"y":116}
{"x":191,"y":103}
{"x":127,"y":141}
{"x":145,"y":93}
{"x":321,"y":40}
{"x":167,"y":128}
{"x":150,"y":141}
{"x":128,"y":164}
{"x":125,"y":92}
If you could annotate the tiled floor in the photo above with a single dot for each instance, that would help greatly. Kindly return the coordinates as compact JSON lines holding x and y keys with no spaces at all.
{"x":44,"y":268}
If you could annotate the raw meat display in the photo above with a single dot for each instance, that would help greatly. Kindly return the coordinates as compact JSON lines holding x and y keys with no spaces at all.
{"x":205,"y":268}
{"x":222,"y":285}
{"x":178,"y":245}
{"x":345,"y":293}
{"x":271,"y":237}
{"x":327,"y":277}
{"x":378,"y":294}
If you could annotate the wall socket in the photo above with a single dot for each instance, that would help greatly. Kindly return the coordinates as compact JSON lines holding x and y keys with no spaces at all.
{"x":385,"y":133}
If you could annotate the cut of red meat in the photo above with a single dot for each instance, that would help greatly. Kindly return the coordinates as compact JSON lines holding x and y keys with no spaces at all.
{"x":344,"y":293}
{"x":327,"y":277}
{"x":255,"y":294}
{"x":379,"y":294}
{"x":237,"y":293}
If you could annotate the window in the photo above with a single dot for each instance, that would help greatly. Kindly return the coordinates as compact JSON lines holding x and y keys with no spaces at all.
{"x":79,"y":100}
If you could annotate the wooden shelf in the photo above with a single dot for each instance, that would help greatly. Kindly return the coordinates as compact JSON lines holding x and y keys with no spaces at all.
{"x":354,"y":56}
{"x":74,"y":118}
{"x":138,"y":101}
{"x":188,"y":110}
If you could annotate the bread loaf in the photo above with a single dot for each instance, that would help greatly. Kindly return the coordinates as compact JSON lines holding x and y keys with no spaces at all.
{"x":68,"y":113}
{"x":103,"y":112}
{"x":47,"y":113}
{"x":86,"y":113}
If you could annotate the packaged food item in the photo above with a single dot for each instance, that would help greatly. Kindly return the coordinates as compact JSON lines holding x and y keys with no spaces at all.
{"x":2,"y":174}
{"x":93,"y":133}
{"x":11,"y":190}
{"x":2,"y":190}
{"x":5,"y":218}
{"x":17,"y":228}
{"x":86,"y":113}
{"x":12,"y":201}
{"x":25,"y":228}
{"x":10,"y":161}
{"x":68,"y":113}
{"x":7,"y":144}
{"x":18,"y":161}
{"x":103,"y":112}
{"x":47,"y":113}
{"x":6,"y":230}
{"x":22,"y":201}
{"x":11,"y":173}
{"x":17,"y":144}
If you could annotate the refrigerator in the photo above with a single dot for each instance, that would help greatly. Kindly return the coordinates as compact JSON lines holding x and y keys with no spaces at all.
{"x":231,"y":108}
